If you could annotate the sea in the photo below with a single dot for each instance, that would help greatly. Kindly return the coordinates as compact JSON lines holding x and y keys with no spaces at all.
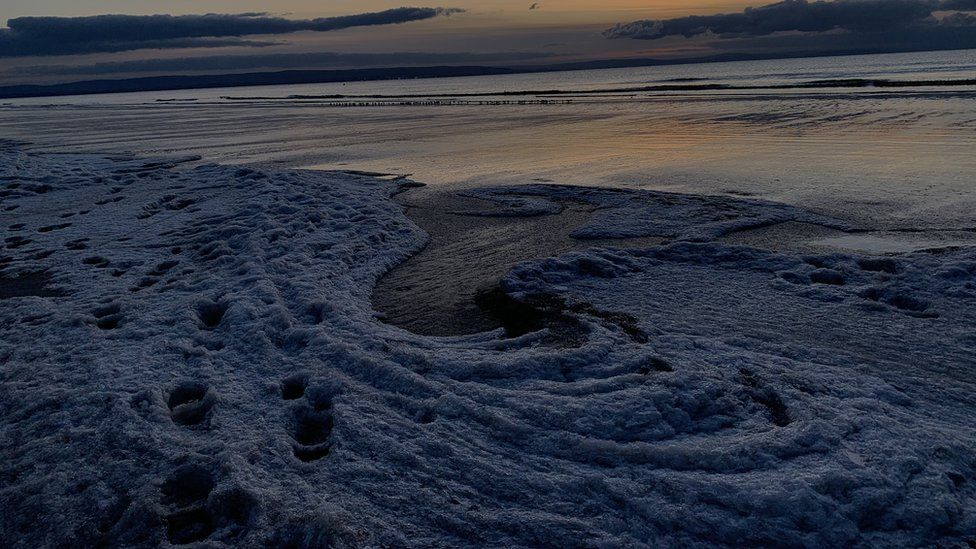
{"x":887,"y":141}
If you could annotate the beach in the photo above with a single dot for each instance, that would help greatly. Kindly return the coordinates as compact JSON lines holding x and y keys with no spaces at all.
{"x":206,"y":359}
{"x":221,"y":332}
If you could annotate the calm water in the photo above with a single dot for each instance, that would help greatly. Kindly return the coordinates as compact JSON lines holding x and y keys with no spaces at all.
{"x":893,"y":158}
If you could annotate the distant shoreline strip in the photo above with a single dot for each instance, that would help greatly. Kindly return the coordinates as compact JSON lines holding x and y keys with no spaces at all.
{"x":189,"y":82}
{"x":859,"y":83}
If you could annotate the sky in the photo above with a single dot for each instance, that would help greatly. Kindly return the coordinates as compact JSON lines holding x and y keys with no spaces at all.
{"x":316,"y":8}
{"x":46,"y":41}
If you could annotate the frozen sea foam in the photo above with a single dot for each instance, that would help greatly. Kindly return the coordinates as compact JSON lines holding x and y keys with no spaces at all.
{"x":189,"y":355}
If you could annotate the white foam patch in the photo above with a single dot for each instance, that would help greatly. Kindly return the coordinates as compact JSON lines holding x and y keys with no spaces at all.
{"x":211,"y":370}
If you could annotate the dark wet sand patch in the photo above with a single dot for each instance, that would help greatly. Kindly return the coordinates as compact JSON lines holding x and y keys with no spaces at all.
{"x":791,"y":236}
{"x":434,"y":292}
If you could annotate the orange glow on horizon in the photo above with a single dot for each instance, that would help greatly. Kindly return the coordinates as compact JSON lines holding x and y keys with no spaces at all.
{"x":599,"y":11}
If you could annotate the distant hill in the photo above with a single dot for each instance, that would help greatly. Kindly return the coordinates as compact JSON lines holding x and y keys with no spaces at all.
{"x":270,"y":78}
{"x":189,"y":82}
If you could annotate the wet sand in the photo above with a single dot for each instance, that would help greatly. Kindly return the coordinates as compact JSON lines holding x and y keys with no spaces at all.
{"x":433,"y":293}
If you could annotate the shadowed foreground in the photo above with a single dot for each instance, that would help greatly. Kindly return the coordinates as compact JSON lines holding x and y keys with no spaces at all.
{"x":200,"y":362}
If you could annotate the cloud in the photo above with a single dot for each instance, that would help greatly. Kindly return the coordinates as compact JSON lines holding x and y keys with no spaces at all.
{"x":855,"y":16}
{"x":31,"y":36}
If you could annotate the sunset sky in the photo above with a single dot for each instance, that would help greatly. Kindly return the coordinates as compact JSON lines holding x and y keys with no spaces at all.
{"x":288,"y":34}
{"x":598,"y":10}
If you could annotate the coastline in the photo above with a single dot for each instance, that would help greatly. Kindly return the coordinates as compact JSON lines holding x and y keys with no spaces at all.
{"x":291,"y":77}
{"x":212,"y":368}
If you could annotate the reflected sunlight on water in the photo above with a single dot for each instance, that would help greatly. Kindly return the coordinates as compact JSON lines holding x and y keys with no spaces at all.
{"x":879,"y":155}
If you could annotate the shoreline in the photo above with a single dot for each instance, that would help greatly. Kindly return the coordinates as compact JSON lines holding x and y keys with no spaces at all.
{"x":201,"y":362}
{"x":434,"y":291}
{"x":292,"y":77}
{"x":473,"y":243}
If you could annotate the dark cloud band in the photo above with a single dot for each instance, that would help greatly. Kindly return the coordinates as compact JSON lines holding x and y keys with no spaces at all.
{"x":28,"y":36}
{"x":858,"y":16}
{"x":283,"y":61}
